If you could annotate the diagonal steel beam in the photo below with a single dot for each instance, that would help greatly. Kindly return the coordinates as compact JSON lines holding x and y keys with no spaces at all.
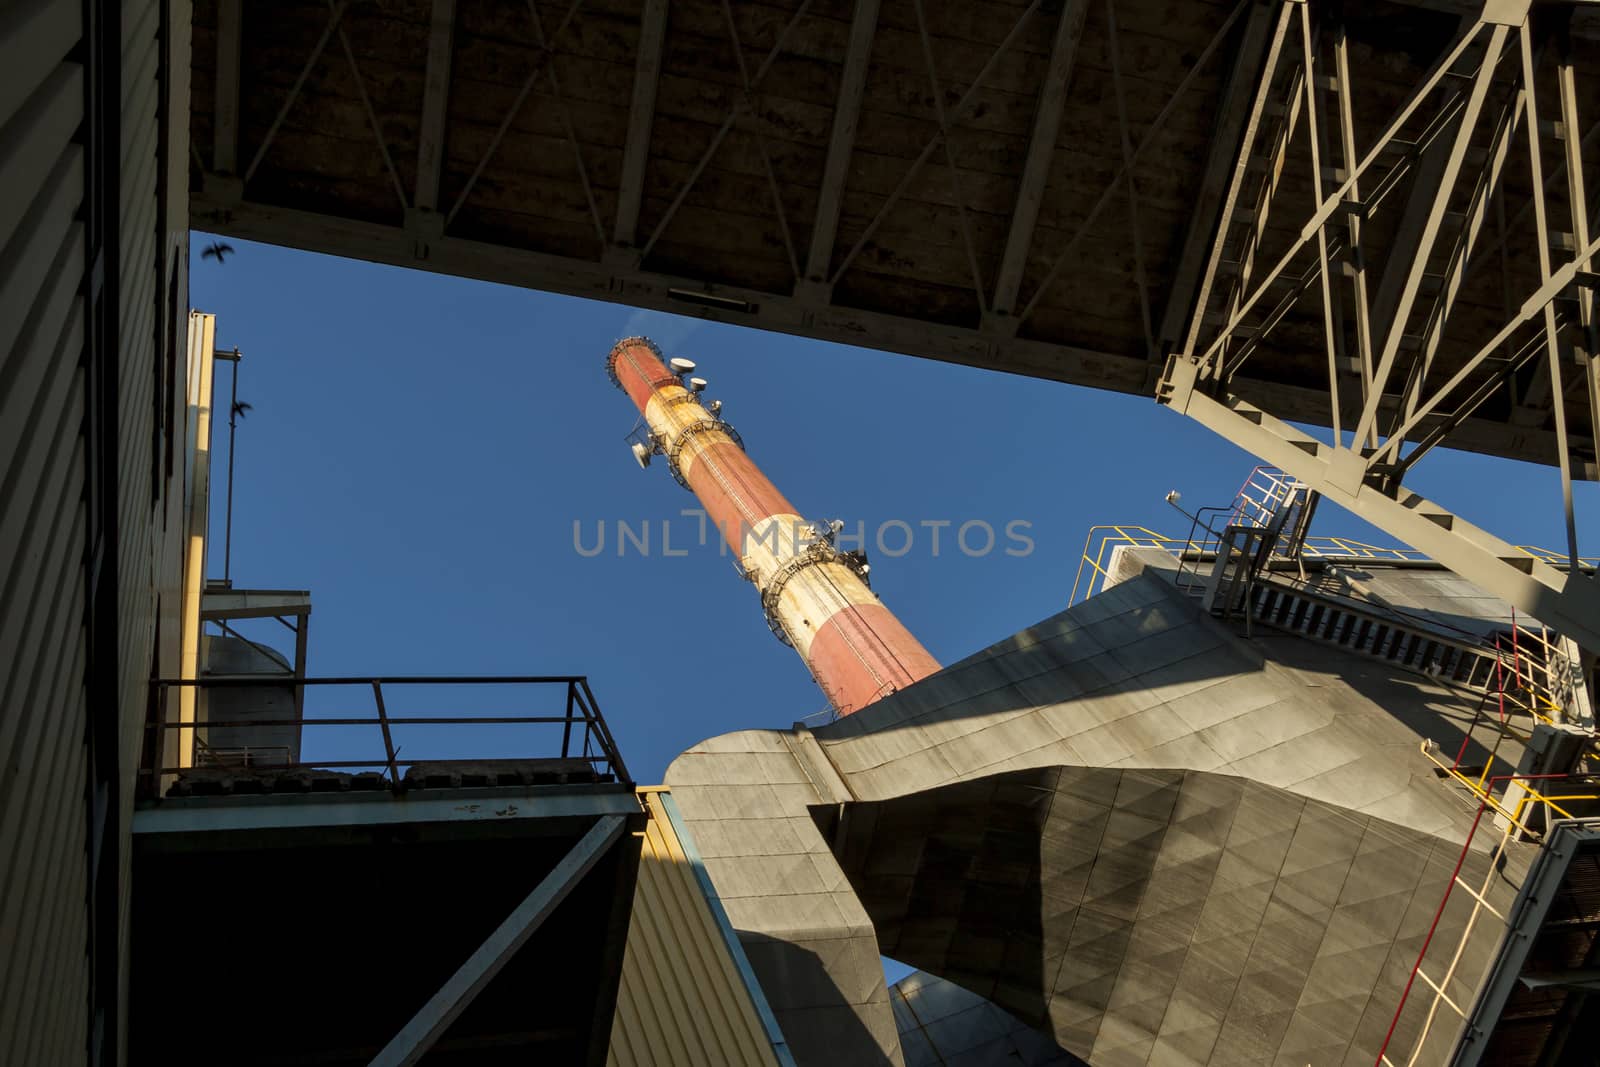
{"x":1156,"y":125}
{"x":761,"y":141}
{"x":1337,"y":198}
{"x":1314,"y":134}
{"x":641,"y":114}
{"x":1535,"y":306}
{"x":1530,"y":103}
{"x":566,"y":123}
{"x":1238,"y":115}
{"x":512,"y":112}
{"x":444,"y":1007}
{"x":1041,"y":152}
{"x":1355,"y":261}
{"x":1455,"y":270}
{"x":949,"y":157}
{"x":294,"y":90}
{"x":1412,"y":263}
{"x":435,"y":102}
{"x":1137,"y":238}
{"x":1588,"y":348}
{"x":1568,"y":602}
{"x":957,"y":113}
{"x":372,"y":115}
{"x":742,"y":104}
{"x":225,"y":102}
{"x":842,"y":139}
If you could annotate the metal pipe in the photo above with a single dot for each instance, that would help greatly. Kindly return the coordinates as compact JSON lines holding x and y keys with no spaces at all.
{"x":816,"y":598}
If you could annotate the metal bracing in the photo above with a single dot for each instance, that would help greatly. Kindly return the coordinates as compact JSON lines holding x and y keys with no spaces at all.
{"x":1400,"y":375}
{"x":1236,"y":117}
{"x":744,"y":105}
{"x":841,"y":139}
{"x":435,"y":99}
{"x":444,"y":1007}
{"x":641,"y":115}
{"x":225,"y":103}
{"x":1041,"y":153}
{"x":955,"y":114}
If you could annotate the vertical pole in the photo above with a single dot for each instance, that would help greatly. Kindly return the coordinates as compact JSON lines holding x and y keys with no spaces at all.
{"x":1330,"y":335}
{"x":1347,"y":152}
{"x":233,"y":419}
{"x":1580,"y":229}
{"x":566,"y":729}
{"x":1542,"y":240}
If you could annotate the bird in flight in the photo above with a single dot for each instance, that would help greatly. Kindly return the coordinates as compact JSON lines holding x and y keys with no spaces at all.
{"x":218,"y":251}
{"x":240,"y":407}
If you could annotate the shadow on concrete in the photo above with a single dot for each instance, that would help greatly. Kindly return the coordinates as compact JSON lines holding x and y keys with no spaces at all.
{"x":1094,"y":667}
{"x":818,"y":1021}
{"x":953,"y":879}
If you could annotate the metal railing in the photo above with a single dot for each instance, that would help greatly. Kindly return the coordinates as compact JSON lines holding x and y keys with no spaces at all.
{"x":1102,"y":540}
{"x":583,"y":733}
{"x":1526,"y":682}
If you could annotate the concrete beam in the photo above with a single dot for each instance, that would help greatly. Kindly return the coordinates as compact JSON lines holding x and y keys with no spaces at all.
{"x":842,"y":140}
{"x":641,"y":113}
{"x":225,"y":102}
{"x":1041,"y":151}
{"x":217,"y":822}
{"x":253,"y":603}
{"x":435,"y":105}
{"x":444,"y":1007}
{"x":630,"y":285}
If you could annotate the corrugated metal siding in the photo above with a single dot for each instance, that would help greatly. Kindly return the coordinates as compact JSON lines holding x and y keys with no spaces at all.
{"x":44,"y":977}
{"x":44,"y":980}
{"x":682,"y":999}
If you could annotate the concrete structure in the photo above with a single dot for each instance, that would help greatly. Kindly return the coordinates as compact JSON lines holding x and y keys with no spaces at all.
{"x":942,"y":1024}
{"x":1065,"y":190}
{"x":815,"y":597}
{"x":1152,"y":837}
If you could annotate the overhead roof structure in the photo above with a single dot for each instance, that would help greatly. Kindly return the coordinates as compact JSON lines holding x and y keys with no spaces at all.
{"x":1031,"y":187}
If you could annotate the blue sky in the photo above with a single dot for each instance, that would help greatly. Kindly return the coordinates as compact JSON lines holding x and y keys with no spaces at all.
{"x":420,"y":447}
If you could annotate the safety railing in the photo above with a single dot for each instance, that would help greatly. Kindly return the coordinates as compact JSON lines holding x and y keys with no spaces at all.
{"x":1266,"y":490}
{"x":1554,"y":796}
{"x":577,"y":732}
{"x":1525,"y":669}
{"x":1103,"y":540}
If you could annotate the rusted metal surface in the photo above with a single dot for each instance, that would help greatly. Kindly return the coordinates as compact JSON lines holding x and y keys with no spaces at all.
{"x":816,"y":597}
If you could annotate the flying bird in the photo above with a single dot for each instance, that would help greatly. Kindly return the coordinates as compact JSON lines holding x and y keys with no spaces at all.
{"x":240,"y":407}
{"x":218,"y":251}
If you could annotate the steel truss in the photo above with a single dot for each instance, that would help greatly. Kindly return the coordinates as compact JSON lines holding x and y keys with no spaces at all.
{"x":1402,"y":365}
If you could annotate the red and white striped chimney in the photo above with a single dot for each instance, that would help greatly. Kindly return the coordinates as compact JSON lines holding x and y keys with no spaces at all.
{"x":815,"y":597}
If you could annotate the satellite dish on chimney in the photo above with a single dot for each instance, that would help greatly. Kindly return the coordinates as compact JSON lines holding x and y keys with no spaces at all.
{"x":681,"y":366}
{"x":697,"y":384}
{"x":641,"y":454}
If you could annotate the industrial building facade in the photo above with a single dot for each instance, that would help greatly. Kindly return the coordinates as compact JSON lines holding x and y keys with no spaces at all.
{"x":1255,"y":800}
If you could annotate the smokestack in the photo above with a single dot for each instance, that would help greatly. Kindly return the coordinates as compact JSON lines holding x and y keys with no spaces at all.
{"x":815,"y":596}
